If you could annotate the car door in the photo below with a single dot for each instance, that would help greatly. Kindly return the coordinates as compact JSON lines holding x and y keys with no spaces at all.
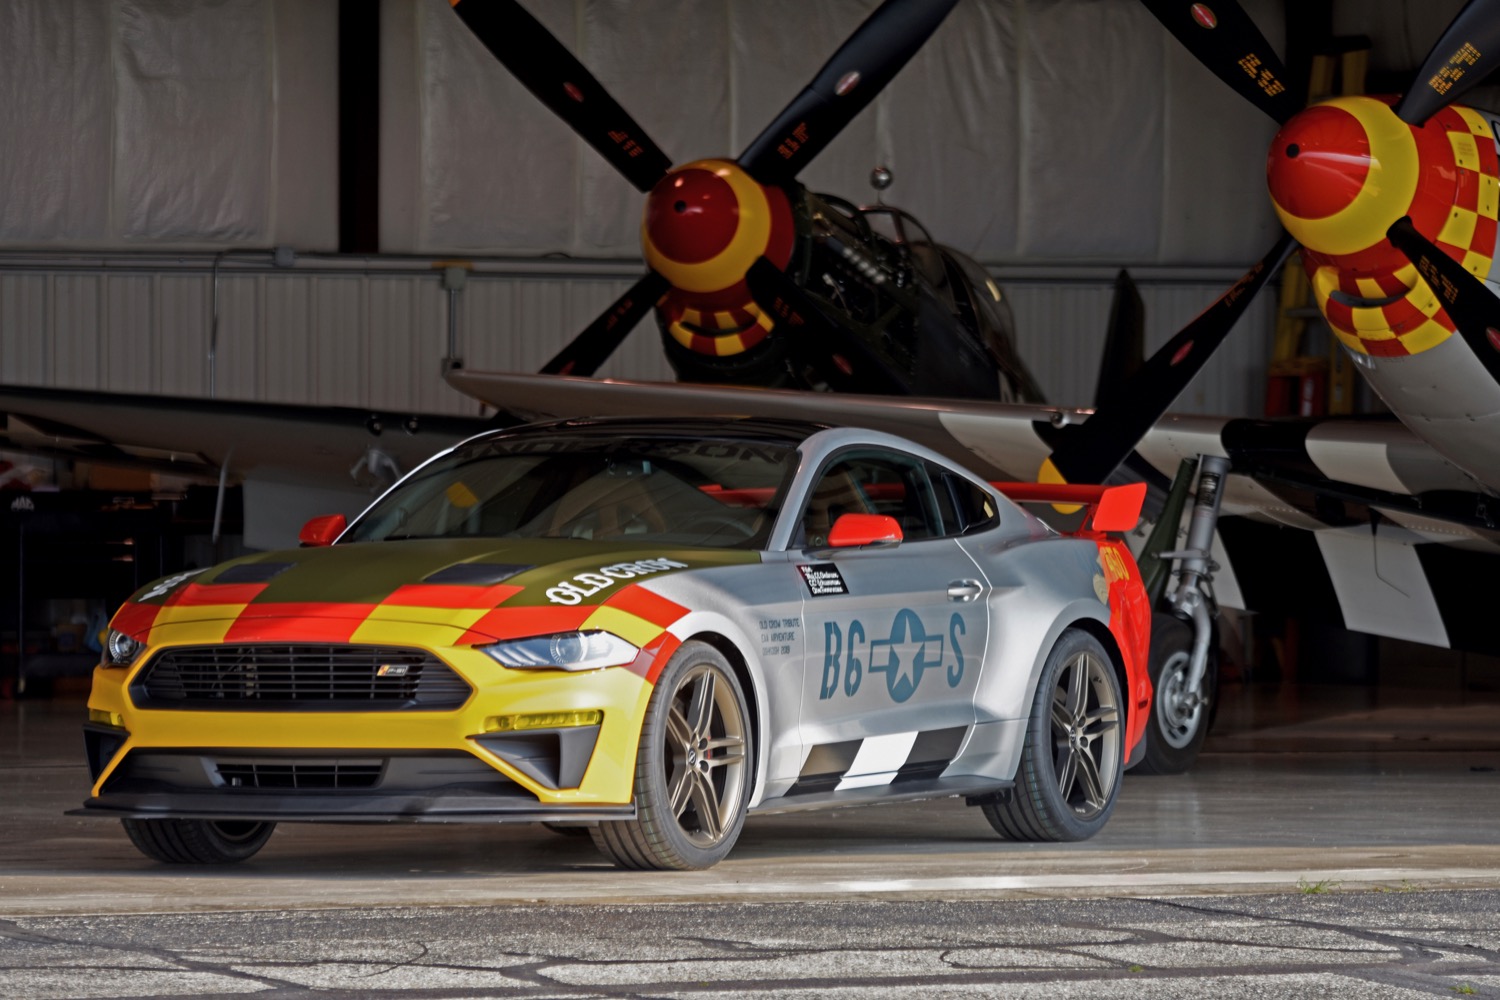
{"x":893,"y":634}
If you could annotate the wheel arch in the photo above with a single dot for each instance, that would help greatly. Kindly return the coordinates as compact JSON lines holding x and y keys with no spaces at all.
{"x":1100,"y":631}
{"x":742,"y":671}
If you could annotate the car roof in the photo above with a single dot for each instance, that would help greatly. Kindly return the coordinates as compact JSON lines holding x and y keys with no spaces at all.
{"x":770,"y":430}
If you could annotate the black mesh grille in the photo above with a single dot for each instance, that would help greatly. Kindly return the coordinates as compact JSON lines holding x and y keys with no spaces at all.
{"x":306,"y":676}
{"x":308,"y":774}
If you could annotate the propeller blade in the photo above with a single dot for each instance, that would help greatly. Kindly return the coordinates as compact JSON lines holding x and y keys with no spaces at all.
{"x":547,"y":69}
{"x":845,"y":362}
{"x":1222,"y":37}
{"x":1467,"y":53}
{"x":1089,"y":452}
{"x":1469,"y":303}
{"x":849,"y":81}
{"x":591,"y":348}
{"x":1125,"y":343}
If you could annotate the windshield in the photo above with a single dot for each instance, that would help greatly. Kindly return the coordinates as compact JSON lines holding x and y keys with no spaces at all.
{"x":721,"y":493}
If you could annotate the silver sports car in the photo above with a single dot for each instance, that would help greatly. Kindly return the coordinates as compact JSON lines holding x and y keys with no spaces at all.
{"x":648,"y":628}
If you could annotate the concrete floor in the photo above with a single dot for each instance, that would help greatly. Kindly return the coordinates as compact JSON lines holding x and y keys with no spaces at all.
{"x":1371,"y":798}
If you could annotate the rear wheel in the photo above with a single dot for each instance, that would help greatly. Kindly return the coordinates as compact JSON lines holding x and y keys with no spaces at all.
{"x":692,"y":770}
{"x":1179,"y":718}
{"x":197,"y":841}
{"x":1069,"y":776}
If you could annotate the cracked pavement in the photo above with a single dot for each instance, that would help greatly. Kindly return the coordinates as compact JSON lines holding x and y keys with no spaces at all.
{"x":1401,"y":942}
{"x":906,"y":900}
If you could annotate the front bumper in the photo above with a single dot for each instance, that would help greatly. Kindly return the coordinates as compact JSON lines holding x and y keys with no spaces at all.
{"x":245,"y":762}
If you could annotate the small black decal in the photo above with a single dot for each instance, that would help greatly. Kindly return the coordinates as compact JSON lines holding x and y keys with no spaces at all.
{"x":822,"y":579}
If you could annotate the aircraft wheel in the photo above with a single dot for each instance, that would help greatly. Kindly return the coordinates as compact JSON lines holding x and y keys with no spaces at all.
{"x":692,"y":770}
{"x":197,"y":841}
{"x":1069,"y":776}
{"x":1179,"y":722}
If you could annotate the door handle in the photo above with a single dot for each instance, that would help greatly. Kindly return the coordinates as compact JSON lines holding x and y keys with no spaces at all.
{"x":964,"y":590}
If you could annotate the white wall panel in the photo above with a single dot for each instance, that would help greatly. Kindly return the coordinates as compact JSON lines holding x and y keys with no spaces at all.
{"x":370,"y":337}
{"x":73,"y":329}
{"x":181,"y":333}
{"x":286,"y":351}
{"x":337,"y":337}
{"x":127,"y":334}
{"x":23,"y":323}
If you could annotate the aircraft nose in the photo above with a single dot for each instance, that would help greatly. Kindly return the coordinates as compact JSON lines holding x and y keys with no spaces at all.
{"x":692,"y":215}
{"x":1318,"y":163}
{"x":1341,"y":172}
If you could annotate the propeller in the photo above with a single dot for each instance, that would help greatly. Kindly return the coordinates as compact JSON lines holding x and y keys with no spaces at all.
{"x":1317,"y":176}
{"x":1089,"y":452}
{"x":591,"y":348}
{"x":1473,"y":307}
{"x":547,"y":69}
{"x":1467,"y":53}
{"x":1124,"y":344}
{"x":848,"y":82}
{"x":697,"y":214}
{"x":1224,"y":39}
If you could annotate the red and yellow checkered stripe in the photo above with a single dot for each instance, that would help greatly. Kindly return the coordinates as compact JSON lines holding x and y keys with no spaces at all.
{"x":1457,"y":196}
{"x":717,"y":332}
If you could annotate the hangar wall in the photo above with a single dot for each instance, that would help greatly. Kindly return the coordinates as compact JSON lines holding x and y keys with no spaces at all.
{"x":373,"y":333}
{"x":1050,"y":135}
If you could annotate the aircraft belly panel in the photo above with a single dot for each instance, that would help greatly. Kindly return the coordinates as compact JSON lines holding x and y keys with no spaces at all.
{"x":1448,"y":401}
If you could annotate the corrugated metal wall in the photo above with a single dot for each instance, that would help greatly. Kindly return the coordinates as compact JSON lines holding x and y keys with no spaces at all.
{"x":339,"y":333}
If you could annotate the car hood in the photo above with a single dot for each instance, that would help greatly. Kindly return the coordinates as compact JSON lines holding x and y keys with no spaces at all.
{"x":438,"y":581}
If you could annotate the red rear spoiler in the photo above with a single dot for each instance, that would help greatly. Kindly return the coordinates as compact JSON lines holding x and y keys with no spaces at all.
{"x":1110,"y":508}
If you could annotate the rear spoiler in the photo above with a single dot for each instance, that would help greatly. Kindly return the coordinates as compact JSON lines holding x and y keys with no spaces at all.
{"x":1110,"y":508}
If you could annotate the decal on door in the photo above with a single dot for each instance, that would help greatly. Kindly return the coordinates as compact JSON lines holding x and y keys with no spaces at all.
{"x":822,"y":579}
{"x":904,"y":657}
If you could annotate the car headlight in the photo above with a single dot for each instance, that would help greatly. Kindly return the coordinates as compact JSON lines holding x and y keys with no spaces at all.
{"x":120,"y":650}
{"x":564,"y":651}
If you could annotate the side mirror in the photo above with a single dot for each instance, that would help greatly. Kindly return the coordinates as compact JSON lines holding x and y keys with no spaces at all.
{"x":322,"y":530}
{"x":856,"y":530}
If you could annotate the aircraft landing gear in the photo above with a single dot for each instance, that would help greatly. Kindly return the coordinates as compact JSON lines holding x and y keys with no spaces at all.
{"x":1184,"y":640}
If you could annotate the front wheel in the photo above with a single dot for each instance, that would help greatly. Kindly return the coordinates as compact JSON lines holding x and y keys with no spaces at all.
{"x":1179,"y":717}
{"x":1069,"y":776}
{"x":198,"y":841}
{"x":692,"y":769}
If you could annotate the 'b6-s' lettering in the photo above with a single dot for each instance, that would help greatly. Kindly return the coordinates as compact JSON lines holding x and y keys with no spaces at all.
{"x":909,"y":652}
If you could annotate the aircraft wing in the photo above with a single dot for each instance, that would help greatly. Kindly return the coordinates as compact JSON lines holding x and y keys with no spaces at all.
{"x":1354,"y":520}
{"x":295,"y":461}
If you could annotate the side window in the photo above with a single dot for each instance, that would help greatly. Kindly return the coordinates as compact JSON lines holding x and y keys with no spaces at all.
{"x":967,"y":508}
{"x":873,"y":482}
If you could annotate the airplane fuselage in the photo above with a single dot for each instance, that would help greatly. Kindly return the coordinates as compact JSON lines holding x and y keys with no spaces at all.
{"x":1340,"y":173}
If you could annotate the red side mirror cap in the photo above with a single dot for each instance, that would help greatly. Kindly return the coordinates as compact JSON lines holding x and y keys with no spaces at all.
{"x":322,"y":530}
{"x":854,"y":530}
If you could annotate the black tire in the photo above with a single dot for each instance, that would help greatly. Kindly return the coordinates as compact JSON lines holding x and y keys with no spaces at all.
{"x":692,"y":770}
{"x":1178,"y":726}
{"x":1069,"y":775}
{"x":198,"y":841}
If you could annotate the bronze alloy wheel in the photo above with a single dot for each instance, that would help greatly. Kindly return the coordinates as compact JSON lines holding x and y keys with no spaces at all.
{"x":1085,"y":734}
{"x":692,"y":776}
{"x":1069,"y":774}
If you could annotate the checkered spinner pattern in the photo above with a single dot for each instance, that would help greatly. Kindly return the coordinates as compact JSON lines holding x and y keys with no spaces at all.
{"x":1410,"y":319}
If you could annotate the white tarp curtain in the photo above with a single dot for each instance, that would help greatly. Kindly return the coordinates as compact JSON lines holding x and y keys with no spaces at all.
{"x":1026,"y":130}
{"x":167,"y":123}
